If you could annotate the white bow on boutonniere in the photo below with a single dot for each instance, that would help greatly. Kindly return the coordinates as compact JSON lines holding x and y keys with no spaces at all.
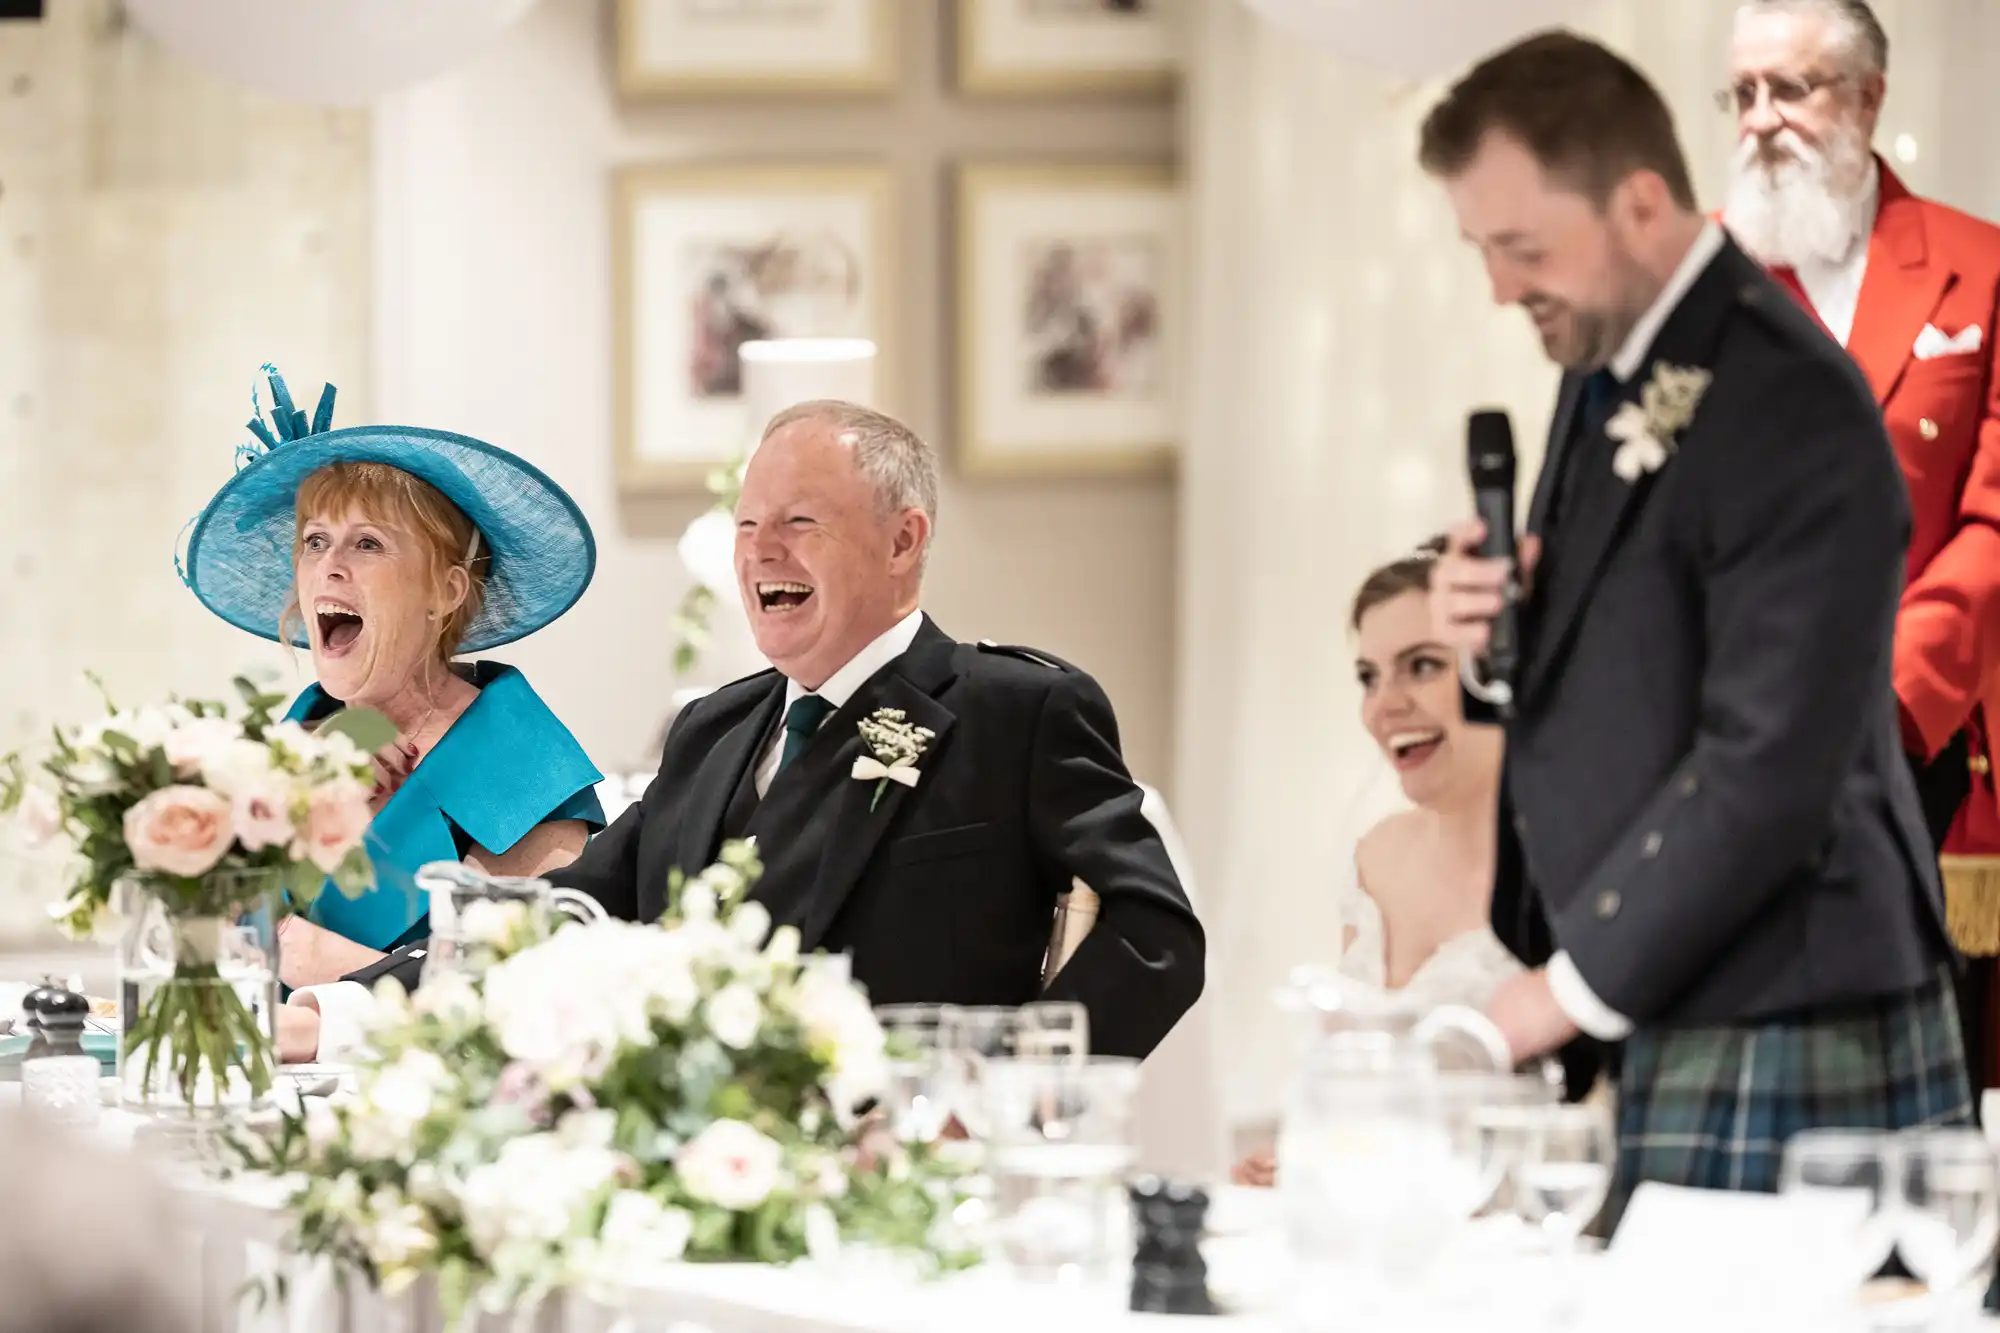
{"x":895,"y":747}
{"x":1648,"y":431}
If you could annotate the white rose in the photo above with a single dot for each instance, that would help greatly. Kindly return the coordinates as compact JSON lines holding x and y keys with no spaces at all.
{"x":730,"y":1164}
{"x":751,"y":923}
{"x":189,"y":745}
{"x":40,"y":817}
{"x":397,"y":1236}
{"x":148,"y":728}
{"x":293,"y":740}
{"x":533,"y":1190}
{"x":93,"y":774}
{"x":485,"y":921}
{"x":450,"y":996}
{"x":639,"y":1234}
{"x":235,"y":766}
{"x":587,"y":1129}
{"x":784,"y":945}
{"x":402,"y":1094}
{"x":698,"y":902}
{"x":338,"y":749}
{"x":734,"y":1015}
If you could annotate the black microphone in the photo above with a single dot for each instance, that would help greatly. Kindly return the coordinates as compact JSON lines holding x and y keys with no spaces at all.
{"x":1489,"y":462}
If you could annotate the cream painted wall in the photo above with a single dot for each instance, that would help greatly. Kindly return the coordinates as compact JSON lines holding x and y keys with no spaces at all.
{"x":493,"y":316}
{"x":1343,"y":332}
{"x":161,"y":234}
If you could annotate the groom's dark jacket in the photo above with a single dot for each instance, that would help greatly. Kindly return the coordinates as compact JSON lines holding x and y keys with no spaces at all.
{"x":944,"y":892}
{"x":1705,"y":800}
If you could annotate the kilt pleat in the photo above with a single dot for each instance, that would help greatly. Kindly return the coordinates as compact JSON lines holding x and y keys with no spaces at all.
{"x":1712,"y":1107}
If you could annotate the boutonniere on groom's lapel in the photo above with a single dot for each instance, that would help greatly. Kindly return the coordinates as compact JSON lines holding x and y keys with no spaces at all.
{"x":1649,"y":430}
{"x":894,"y":748}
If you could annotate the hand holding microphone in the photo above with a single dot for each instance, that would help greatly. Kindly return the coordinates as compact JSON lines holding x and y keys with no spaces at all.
{"x":1482,"y":574}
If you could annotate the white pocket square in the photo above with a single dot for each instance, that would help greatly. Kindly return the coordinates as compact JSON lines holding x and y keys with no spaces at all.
{"x":1932,"y":343}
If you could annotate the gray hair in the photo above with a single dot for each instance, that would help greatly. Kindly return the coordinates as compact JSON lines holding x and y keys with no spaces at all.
{"x":895,"y":460}
{"x":1864,"y":45}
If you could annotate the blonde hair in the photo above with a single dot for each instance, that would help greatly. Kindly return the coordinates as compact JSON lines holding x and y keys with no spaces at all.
{"x":390,"y":495}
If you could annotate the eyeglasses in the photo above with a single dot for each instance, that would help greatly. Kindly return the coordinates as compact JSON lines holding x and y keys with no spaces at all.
{"x":1786,"y":92}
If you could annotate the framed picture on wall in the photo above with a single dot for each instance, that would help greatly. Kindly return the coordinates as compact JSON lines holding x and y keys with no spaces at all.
{"x":1058,"y":46}
{"x":671,"y":48}
{"x":1069,"y":319}
{"x":707,"y":258}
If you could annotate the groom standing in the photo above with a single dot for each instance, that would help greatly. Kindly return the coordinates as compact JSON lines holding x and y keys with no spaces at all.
{"x":1711,"y":846}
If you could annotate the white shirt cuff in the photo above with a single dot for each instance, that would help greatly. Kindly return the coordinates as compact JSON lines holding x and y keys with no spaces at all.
{"x":344,"y":1007}
{"x":1575,"y":998}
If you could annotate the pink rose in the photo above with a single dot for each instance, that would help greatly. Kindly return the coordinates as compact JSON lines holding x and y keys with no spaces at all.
{"x":262,"y":812}
{"x":179,"y":831}
{"x":335,"y":822}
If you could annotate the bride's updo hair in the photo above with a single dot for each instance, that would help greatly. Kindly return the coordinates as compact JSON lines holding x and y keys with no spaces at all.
{"x":1406,"y":573}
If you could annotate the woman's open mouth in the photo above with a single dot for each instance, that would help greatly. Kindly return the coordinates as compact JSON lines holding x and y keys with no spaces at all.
{"x":782,"y":598}
{"x":1411,"y":749}
{"x":339,"y":626}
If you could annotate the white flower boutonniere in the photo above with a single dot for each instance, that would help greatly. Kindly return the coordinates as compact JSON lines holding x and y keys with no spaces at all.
{"x":895,"y":747}
{"x":1648,"y":431}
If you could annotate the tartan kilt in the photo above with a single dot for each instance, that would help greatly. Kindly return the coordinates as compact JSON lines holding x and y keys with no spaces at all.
{"x":1712,"y":1107}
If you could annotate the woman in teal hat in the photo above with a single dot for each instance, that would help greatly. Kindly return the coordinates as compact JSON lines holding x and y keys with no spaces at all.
{"x":388,"y":551}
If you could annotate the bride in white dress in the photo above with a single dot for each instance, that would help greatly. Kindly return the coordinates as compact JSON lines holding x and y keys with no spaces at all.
{"x":1415,"y":896}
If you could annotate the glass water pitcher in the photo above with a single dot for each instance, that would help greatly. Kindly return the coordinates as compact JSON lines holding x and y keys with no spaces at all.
{"x":472,"y":913}
{"x":1379,"y":1159}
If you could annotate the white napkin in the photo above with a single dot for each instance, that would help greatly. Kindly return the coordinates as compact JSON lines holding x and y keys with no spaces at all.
{"x":1932,"y":342}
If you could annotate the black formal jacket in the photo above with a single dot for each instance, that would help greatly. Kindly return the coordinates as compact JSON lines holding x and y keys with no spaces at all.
{"x":945,"y":892}
{"x":1704,"y":783}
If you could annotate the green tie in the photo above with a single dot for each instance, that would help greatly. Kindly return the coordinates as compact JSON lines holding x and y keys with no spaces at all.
{"x":802,"y":719}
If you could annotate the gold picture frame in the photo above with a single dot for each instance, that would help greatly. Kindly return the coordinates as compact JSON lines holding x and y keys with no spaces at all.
{"x":706,"y":256}
{"x":1032,"y":48}
{"x":1069,"y":280}
{"x":777,"y":64}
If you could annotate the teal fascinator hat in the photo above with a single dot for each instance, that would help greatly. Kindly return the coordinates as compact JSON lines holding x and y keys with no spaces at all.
{"x":239,"y":548}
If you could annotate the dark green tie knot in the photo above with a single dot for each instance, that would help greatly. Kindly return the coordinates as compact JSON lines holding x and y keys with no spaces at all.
{"x":802,"y":719}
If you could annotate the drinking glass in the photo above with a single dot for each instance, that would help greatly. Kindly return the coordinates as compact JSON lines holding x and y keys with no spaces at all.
{"x":912,"y":1028}
{"x":1565,"y":1175}
{"x":1861,"y":1166}
{"x":971,"y":1035}
{"x":1060,"y":1143}
{"x":1949,"y":1214}
{"x":1055,"y":1029}
{"x":916,"y":1097}
{"x":1491,"y":1118}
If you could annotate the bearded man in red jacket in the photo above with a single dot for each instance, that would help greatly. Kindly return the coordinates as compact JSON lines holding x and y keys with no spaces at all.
{"x":1912,"y":289}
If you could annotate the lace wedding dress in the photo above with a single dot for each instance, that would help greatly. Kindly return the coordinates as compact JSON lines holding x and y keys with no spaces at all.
{"x":1465,"y":969}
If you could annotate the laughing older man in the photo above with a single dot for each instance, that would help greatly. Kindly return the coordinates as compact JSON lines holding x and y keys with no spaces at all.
{"x":941,"y":889}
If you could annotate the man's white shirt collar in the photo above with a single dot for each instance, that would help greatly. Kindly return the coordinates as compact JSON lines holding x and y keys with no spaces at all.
{"x":842,"y":684}
{"x":1639,"y":341}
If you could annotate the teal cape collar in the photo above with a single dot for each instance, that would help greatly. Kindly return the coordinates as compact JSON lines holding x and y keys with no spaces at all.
{"x":506,"y":765}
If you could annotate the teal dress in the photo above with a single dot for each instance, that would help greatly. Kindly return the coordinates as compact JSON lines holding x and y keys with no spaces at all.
{"x":505,"y":766}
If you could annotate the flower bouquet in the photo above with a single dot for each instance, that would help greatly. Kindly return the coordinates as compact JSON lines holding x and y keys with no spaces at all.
{"x":610,"y":1099}
{"x":195,"y":826}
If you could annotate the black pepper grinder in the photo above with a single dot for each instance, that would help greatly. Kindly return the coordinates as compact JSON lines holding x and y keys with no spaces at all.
{"x":55,"y":1016}
{"x":1169,"y":1276}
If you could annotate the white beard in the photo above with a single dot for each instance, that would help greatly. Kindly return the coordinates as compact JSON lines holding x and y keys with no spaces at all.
{"x":1808,"y":209}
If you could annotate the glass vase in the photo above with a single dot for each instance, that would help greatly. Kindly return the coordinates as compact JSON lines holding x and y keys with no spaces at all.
{"x":197,"y":1002}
